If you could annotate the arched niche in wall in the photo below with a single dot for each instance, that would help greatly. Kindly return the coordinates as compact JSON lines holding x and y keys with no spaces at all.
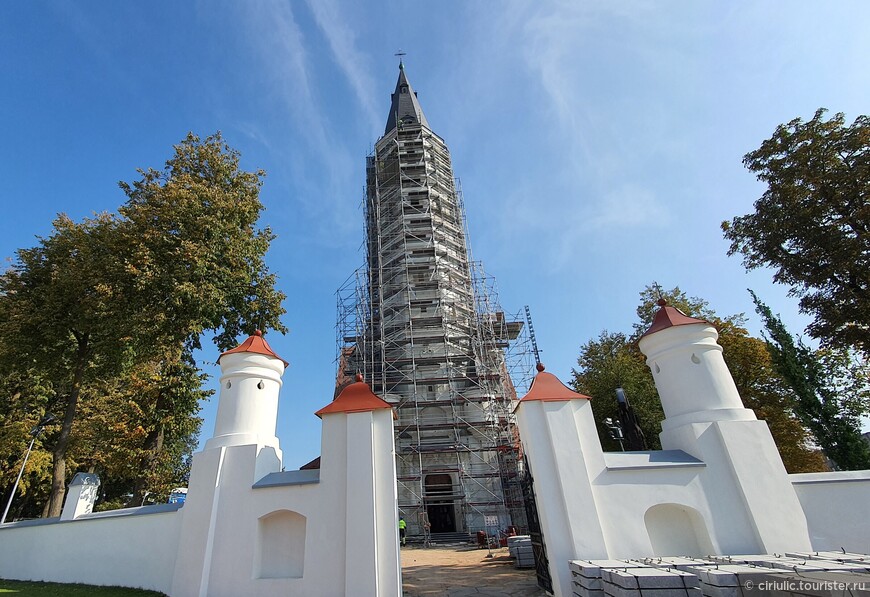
{"x":280,"y":545}
{"x":677,"y":530}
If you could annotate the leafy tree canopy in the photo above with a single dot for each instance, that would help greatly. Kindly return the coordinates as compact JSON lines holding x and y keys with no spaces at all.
{"x":98,"y":321}
{"x":610,"y":361}
{"x":614,"y":360}
{"x":811,"y":224}
{"x":831,"y":389}
{"x":195,"y":256}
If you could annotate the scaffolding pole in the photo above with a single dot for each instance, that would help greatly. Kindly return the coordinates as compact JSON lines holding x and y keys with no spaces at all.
{"x":424,"y":326}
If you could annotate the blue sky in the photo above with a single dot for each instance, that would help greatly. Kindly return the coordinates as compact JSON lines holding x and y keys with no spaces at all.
{"x":598,"y":144}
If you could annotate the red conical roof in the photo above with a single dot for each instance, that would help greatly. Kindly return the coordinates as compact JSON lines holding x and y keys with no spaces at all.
{"x":546,"y":387}
{"x":355,"y":398}
{"x":668,"y":317}
{"x":256,"y":344}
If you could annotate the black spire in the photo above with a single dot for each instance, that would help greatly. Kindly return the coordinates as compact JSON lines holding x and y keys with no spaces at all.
{"x":405,"y":108}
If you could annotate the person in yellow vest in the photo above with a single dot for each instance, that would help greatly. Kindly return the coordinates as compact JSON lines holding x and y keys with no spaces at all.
{"x":402,"y":525}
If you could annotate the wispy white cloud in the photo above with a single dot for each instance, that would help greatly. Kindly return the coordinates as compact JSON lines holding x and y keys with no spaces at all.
{"x":563,"y":47}
{"x":281,"y":44}
{"x":353,"y":63}
{"x":627,"y":206}
{"x":589,"y":180}
{"x":560,"y":226}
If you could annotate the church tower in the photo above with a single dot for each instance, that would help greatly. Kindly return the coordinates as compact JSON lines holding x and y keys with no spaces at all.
{"x":427,"y":339}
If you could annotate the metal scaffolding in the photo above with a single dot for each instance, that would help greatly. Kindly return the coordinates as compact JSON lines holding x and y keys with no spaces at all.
{"x":424,"y":326}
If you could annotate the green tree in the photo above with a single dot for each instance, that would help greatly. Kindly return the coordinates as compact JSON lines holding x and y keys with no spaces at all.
{"x":114,"y":430}
{"x":62,"y":319}
{"x":197,"y":259}
{"x":195,"y":252}
{"x":811,"y":224}
{"x":611,"y":361}
{"x":615,"y":360}
{"x":110,"y":309}
{"x":23,"y":398}
{"x":831,"y":390}
{"x":764,"y":390}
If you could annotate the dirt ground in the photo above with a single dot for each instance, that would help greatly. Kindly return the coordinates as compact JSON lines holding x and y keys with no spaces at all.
{"x":462,"y":571}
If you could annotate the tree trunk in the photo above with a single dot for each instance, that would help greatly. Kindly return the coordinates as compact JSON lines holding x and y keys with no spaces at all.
{"x":153,"y":445}
{"x":58,"y":469}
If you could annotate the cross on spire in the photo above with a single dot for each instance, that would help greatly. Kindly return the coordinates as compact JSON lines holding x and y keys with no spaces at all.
{"x":400,"y":53}
{"x":405,"y":108}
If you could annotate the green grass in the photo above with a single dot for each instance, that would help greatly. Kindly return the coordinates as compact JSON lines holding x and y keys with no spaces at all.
{"x":17,"y":588}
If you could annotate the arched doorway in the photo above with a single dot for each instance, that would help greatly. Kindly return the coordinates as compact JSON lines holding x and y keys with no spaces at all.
{"x":439,"y":503}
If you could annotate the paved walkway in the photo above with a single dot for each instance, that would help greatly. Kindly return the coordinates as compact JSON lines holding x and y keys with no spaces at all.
{"x":463,"y":571}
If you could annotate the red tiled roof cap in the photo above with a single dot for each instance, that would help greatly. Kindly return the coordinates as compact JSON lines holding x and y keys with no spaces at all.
{"x":256,"y":344}
{"x":313,"y":465}
{"x":355,"y":398}
{"x":668,"y":317}
{"x":546,"y":387}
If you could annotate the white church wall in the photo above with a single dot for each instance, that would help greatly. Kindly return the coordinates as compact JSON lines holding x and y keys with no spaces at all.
{"x":124,"y":547}
{"x":745,"y":485}
{"x":677,"y":529}
{"x":635,"y":483}
{"x":837,"y":507}
{"x":389,"y":565}
{"x":718,"y":487}
{"x":280,"y":550}
{"x":624,"y":499}
{"x":237,"y":562}
{"x":773,"y":507}
{"x":705,"y":417}
{"x":246,"y":527}
{"x":327,"y":532}
{"x":562,"y":472}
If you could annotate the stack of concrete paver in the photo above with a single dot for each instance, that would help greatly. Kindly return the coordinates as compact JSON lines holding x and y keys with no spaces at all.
{"x":650,"y":582}
{"x":520,"y":548}
{"x":740,"y":575}
{"x":626,"y":578}
{"x":587,"y":574}
{"x":796,"y":564}
{"x":832,"y":556}
{"x":818,"y":576}
{"x":729,"y":580}
{"x":837,"y":556}
{"x":676,"y":562}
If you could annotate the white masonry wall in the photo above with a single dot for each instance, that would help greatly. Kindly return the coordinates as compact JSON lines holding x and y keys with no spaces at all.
{"x":837,"y":507}
{"x":718,"y":487}
{"x":125,"y":548}
{"x":335,"y":529}
{"x":247,"y":527}
{"x":595,"y":505}
{"x":227,"y":548}
{"x":560,"y":465}
{"x":327,"y":532}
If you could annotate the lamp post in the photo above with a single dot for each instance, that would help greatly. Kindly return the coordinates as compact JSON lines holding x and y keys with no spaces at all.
{"x":34,"y":433}
{"x":615,"y":432}
{"x":629,"y":423}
